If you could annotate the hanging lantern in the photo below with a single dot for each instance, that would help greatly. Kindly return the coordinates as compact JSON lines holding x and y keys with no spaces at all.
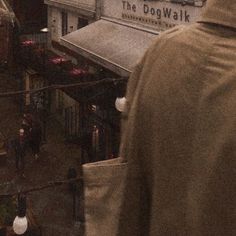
{"x":20,"y":225}
{"x":120,"y":104}
{"x":45,"y":30}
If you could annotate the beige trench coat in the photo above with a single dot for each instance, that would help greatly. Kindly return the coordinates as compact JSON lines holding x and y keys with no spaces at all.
{"x":179,"y":132}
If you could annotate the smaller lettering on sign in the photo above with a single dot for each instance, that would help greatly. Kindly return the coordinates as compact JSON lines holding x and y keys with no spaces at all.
{"x":147,"y":20}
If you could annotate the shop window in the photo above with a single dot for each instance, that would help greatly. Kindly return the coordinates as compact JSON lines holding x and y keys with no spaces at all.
{"x":64,"y":23}
{"x":82,"y":22}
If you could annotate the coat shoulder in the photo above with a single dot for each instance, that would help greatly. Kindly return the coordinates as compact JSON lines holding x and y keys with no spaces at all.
{"x":166,"y":36}
{"x":192,"y":42}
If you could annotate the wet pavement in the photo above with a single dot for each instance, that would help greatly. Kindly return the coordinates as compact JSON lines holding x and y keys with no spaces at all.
{"x":51,"y":207}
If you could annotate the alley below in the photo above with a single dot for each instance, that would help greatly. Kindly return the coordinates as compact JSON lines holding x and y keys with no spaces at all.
{"x":52,"y":208}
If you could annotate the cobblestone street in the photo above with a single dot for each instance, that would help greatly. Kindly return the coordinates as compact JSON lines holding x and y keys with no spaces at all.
{"x":52,"y":207}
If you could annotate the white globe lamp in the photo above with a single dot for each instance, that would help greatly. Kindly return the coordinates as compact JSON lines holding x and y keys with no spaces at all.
{"x":20,"y":225}
{"x":45,"y":30}
{"x":120,"y":104}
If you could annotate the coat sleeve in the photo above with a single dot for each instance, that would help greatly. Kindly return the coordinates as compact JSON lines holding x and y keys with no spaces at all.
{"x":133,"y":186}
{"x":136,"y":78}
{"x":134,"y":217}
{"x":130,"y":92}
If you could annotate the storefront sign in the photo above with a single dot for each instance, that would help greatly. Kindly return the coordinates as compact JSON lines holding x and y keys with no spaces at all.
{"x":156,"y":14}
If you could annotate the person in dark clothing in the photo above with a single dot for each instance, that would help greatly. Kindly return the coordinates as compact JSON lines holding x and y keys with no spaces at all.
{"x":27,"y":124}
{"x":35,"y":138}
{"x":19,"y":147}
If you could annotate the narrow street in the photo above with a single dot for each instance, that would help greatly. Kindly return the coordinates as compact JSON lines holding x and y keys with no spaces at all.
{"x":52,"y":207}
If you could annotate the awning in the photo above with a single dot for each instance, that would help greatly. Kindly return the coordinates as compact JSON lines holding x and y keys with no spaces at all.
{"x":112,"y":45}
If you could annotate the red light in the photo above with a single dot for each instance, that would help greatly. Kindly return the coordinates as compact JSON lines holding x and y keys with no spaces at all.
{"x":28,"y":42}
{"x":58,"y":60}
{"x":77,"y":71}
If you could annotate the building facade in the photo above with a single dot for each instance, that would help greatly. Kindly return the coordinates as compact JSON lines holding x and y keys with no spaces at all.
{"x":67,"y":16}
{"x":125,"y":29}
{"x":83,"y":116}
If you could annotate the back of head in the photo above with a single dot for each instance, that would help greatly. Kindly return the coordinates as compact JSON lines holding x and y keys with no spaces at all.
{"x":222,"y":12}
{"x":21,"y":132}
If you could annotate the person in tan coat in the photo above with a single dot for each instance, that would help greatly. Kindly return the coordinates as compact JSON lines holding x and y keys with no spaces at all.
{"x":179,"y":134}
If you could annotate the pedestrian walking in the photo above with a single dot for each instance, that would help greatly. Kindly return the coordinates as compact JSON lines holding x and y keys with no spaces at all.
{"x":179,"y":131}
{"x":28,"y":118}
{"x":35,"y":138}
{"x":27,"y":125}
{"x":19,"y":148}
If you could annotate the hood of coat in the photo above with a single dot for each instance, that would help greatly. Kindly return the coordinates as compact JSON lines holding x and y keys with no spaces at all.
{"x":222,"y":12}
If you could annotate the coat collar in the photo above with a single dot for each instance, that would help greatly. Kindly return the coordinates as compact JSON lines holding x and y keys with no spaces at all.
{"x":222,"y":12}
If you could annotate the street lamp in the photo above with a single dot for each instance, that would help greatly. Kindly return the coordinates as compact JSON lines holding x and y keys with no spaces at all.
{"x":44,"y":30}
{"x":20,"y":223}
